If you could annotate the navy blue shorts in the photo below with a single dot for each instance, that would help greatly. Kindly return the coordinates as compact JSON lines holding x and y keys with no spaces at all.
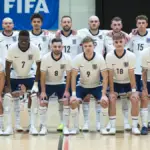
{"x":148,"y":87}
{"x":122,"y":88}
{"x":138,"y":83}
{"x":82,"y":92}
{"x":58,"y":89}
{"x":28,"y":83}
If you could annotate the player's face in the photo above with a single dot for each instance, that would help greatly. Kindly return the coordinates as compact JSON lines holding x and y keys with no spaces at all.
{"x":116,"y":26}
{"x":66,"y":24}
{"x":36,"y":23}
{"x":94,"y":24}
{"x":57,"y":48}
{"x":119,"y":44}
{"x":88,"y":47}
{"x":8,"y":25}
{"x":24,"y":42}
{"x":141,"y":24}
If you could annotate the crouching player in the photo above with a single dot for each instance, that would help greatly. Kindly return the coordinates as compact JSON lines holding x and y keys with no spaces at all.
{"x":121,"y":65}
{"x":21,"y":56}
{"x":90,"y":65}
{"x":54,"y":65}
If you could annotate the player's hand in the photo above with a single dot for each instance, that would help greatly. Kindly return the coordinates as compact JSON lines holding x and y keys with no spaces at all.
{"x":58,"y":33}
{"x":134,"y":31}
{"x":74,"y":32}
{"x":43,"y":96}
{"x":35,"y":88}
{"x":66,"y":94}
{"x":73,"y":98}
{"x":104,"y":101}
{"x":46,"y":32}
{"x":135,"y":95}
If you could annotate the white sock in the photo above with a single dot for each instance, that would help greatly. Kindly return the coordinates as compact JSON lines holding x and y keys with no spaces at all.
{"x":33,"y":117}
{"x":61,"y":112}
{"x":75,"y":116}
{"x":43,"y":115}
{"x":17,"y":110}
{"x":1,"y":121}
{"x":104,"y":116}
{"x":125,"y":109}
{"x":149,"y":112}
{"x":144,"y":116}
{"x":98,"y":110}
{"x":134,"y":121}
{"x":66,"y":113}
{"x":85,"y":107}
{"x":29,"y":113}
{"x":113,"y":121}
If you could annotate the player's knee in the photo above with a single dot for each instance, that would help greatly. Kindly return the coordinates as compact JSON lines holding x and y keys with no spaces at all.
{"x":44,"y":103}
{"x":65,"y":101}
{"x":87,"y":98}
{"x":60,"y":107}
{"x":112,"y":99}
{"x":74,"y":104}
{"x":134,"y":101}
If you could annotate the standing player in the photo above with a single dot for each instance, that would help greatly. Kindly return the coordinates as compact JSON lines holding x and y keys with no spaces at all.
{"x":137,"y":44}
{"x":72,"y":47}
{"x":90,"y":64}
{"x":54,"y":65}
{"x":2,"y":82}
{"x":21,"y":56}
{"x":121,"y":64}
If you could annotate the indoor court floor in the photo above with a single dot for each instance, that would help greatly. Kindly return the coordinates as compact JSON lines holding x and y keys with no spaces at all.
{"x":83,"y":141}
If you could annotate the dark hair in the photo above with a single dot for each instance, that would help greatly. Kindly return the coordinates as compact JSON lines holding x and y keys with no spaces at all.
{"x":37,"y":15}
{"x":118,"y":36}
{"x":142,"y":17}
{"x":87,"y":39}
{"x":116,"y":19}
{"x":66,"y":17}
{"x":24,"y":33}
{"x":56,"y":40}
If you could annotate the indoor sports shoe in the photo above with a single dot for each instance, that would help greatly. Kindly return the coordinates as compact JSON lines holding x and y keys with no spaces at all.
{"x":144,"y":131}
{"x":18,"y":128}
{"x":104,"y":131}
{"x":8,"y":131}
{"x":112,"y":131}
{"x":127,"y":127}
{"x":74,"y":131}
{"x":98,"y":126}
{"x":60,"y":128}
{"x":66,"y":131}
{"x":43,"y":130}
{"x":1,"y":132}
{"x":85,"y":127}
{"x":108,"y":126}
{"x":148,"y":126}
{"x":136,"y":131}
{"x":33,"y":130}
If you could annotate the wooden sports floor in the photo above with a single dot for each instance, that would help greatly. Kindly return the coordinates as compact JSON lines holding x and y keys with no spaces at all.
{"x":83,"y":141}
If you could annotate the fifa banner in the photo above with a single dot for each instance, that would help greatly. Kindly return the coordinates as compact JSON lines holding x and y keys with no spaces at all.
{"x":21,"y":10}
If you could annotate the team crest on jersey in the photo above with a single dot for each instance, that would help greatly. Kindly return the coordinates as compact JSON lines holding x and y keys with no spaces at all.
{"x":14,"y":38}
{"x":94,"y":66}
{"x":30,"y":57}
{"x":100,"y":37}
{"x":126,"y":64}
{"x":44,"y":38}
{"x":74,"y":41}
{"x":148,"y":40}
{"x":62,"y":66}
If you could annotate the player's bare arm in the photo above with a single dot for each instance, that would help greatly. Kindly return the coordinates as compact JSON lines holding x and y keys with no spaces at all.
{"x":73,"y":81}
{"x":105,"y":82}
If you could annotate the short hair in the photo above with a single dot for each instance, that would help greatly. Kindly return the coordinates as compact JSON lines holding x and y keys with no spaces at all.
{"x":118,"y":36}
{"x":37,"y":15}
{"x":56,"y":40}
{"x":66,"y":17}
{"x":24,"y":33}
{"x":87,"y":39}
{"x":142,"y":17}
{"x":116,"y":19}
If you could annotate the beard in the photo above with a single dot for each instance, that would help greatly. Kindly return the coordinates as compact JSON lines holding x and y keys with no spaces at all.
{"x":66,"y":28}
{"x":57,"y":53}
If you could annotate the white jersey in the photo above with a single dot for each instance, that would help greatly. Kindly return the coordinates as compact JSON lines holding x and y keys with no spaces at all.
{"x":145,"y":61}
{"x":121,"y":65}
{"x":2,"y":69}
{"x":6,"y":42}
{"x":71,"y":44}
{"x":42,"y":41}
{"x":99,"y":39}
{"x":22,"y":61}
{"x":89,"y":69}
{"x":137,"y":44}
{"x":55,"y":69}
{"x":109,"y":41}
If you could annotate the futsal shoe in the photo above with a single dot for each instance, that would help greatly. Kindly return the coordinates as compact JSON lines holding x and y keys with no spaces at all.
{"x":112,"y":131}
{"x":127,"y":127}
{"x":136,"y":131}
{"x":18,"y":128}
{"x":43,"y":130}
{"x":60,"y":128}
{"x":74,"y":131}
{"x":108,"y":126}
{"x":1,"y":132}
{"x":33,"y":130}
{"x":66,"y":131}
{"x":85,"y":127}
{"x":104,"y":131}
{"x":8,"y":131}
{"x":144,"y":131}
